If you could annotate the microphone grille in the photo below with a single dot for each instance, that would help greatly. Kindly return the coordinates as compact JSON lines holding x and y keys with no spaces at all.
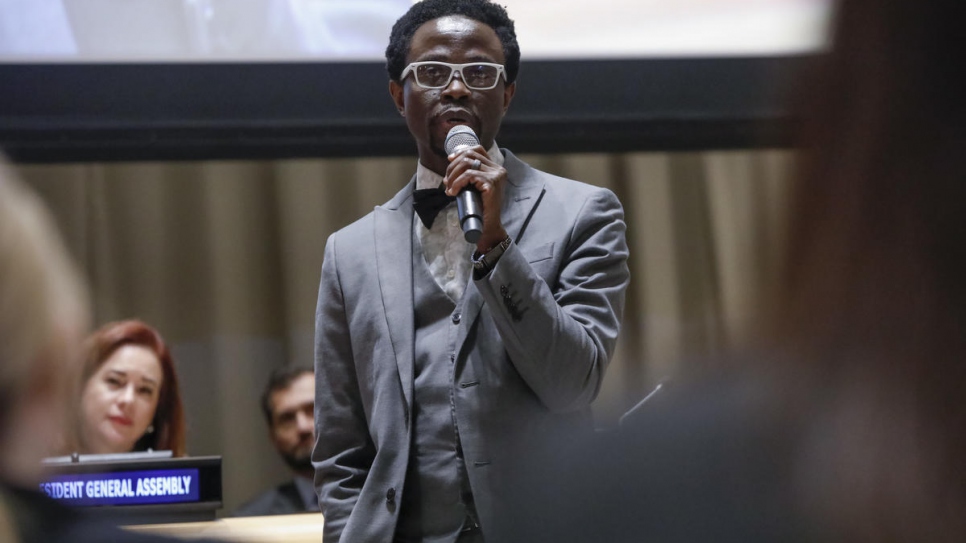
{"x":460,"y":136}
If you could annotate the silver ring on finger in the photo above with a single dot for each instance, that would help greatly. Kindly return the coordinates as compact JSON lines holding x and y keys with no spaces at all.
{"x":476,"y":164}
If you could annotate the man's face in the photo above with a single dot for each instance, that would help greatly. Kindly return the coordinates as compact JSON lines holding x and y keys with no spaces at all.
{"x":431,"y":113}
{"x":293,"y":426}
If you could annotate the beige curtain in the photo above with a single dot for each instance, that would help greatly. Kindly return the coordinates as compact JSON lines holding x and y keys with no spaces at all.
{"x":224,"y":259}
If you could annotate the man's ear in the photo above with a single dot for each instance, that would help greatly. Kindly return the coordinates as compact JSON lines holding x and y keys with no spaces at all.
{"x":508,"y":92}
{"x":398,"y":96}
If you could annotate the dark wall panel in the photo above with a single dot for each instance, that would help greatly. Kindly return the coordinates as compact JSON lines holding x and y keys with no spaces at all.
{"x":106,"y":112}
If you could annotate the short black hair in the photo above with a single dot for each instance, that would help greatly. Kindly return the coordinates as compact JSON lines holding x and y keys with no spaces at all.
{"x":280,"y":379}
{"x":484,"y":11}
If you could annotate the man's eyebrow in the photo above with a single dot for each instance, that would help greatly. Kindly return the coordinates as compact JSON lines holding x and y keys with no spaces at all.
{"x":440,"y":57}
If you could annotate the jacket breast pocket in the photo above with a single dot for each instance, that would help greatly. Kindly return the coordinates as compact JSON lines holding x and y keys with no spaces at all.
{"x":541,"y":260}
{"x":540,"y":253}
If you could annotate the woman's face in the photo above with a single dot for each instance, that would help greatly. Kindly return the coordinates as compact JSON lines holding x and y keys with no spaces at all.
{"x":120,"y":399}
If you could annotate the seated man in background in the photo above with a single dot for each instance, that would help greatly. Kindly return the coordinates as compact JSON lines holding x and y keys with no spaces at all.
{"x":288,"y":403}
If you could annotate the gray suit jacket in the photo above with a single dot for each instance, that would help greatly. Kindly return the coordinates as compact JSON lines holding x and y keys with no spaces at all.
{"x":534,"y":339}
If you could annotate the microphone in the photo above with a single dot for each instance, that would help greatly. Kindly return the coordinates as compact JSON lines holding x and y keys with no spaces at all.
{"x":468,"y":202}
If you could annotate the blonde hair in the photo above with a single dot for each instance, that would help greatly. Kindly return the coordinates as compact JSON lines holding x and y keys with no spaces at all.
{"x":41,"y":293}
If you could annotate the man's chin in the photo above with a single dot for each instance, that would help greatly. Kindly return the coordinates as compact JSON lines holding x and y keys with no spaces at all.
{"x":299,"y":462}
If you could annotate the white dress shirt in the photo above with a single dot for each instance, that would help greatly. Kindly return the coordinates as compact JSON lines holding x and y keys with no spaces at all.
{"x":448,"y":255}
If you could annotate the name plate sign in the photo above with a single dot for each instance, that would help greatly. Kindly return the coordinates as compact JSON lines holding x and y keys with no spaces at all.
{"x":125,"y":488}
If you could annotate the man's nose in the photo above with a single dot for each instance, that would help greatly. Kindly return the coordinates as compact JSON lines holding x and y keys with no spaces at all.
{"x":456,"y":88}
{"x":305,"y":422}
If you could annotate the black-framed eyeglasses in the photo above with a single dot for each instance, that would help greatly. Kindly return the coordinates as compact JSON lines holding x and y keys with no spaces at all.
{"x":433,"y":74}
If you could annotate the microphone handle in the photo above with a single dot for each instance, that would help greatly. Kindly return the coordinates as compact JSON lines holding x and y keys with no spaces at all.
{"x":470,"y":209}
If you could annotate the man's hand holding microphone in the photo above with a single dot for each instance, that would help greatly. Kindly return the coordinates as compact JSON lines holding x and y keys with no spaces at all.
{"x":477,"y":182}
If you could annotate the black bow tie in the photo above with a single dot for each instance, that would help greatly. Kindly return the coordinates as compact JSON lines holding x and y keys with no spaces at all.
{"x":429,"y":202}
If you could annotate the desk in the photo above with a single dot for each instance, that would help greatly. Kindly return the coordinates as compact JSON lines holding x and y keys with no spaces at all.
{"x":301,"y":528}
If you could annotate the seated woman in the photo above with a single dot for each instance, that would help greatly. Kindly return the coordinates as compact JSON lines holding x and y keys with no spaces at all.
{"x":44,"y":316}
{"x":129,"y":396}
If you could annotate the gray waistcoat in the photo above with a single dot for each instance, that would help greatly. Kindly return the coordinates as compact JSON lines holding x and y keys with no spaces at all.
{"x":437,"y":502}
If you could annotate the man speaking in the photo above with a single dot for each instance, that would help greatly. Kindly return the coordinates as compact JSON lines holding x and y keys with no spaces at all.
{"x":438,"y":360}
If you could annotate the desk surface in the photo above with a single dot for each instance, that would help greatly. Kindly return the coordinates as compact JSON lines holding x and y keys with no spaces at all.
{"x":301,"y":528}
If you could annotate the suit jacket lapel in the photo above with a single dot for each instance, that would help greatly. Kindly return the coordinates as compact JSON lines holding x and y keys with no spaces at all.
{"x":394,"y":254}
{"x":520,"y":195}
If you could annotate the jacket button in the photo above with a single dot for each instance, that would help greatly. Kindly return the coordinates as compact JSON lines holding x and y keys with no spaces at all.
{"x":391,"y":495}
{"x":456,"y":318}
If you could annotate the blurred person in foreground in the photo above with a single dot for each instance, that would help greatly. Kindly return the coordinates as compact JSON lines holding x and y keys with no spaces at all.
{"x":44,"y":314}
{"x":129,"y":399}
{"x":437,"y":360}
{"x":846,"y":419}
{"x":288,"y":403}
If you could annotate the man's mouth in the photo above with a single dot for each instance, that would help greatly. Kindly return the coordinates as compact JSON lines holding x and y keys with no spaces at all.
{"x":454,"y":117}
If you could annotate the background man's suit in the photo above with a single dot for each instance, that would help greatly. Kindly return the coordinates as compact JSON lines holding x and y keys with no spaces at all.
{"x":535,"y":336}
{"x":284,"y":499}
